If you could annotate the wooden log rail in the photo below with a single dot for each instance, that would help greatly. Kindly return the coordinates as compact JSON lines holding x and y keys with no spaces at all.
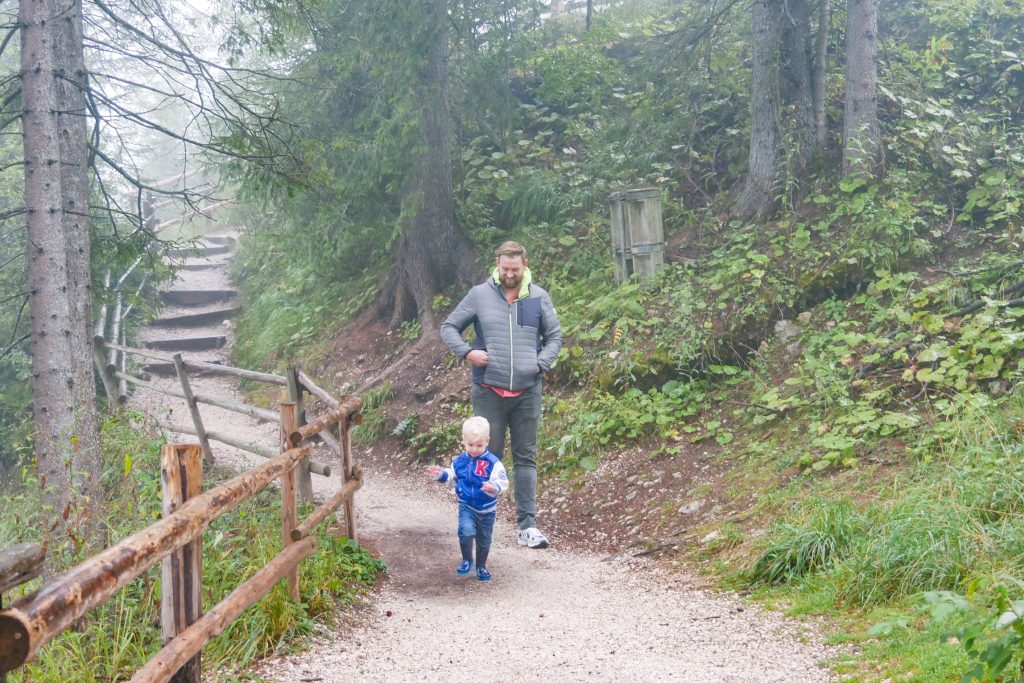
{"x":248,"y":446}
{"x":198,"y":429}
{"x":20,"y":564}
{"x":212,"y":368}
{"x":190,"y":641}
{"x":34,"y":620}
{"x":321,"y":513}
{"x":342,"y":414}
{"x":234,"y":406}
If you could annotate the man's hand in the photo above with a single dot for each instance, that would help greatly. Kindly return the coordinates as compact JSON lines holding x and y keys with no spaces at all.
{"x":477,"y":357}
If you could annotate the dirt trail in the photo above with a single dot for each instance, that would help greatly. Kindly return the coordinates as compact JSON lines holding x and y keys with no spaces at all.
{"x":547,"y":613}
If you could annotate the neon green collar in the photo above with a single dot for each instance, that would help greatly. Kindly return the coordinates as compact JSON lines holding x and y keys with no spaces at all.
{"x":524,"y":289}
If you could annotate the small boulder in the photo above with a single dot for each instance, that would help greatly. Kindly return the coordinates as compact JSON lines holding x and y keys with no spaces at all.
{"x":711,"y":537}
{"x":786,"y":329}
{"x":692,"y":507}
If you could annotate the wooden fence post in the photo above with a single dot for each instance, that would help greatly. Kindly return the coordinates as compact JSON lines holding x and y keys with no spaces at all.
{"x":303,"y":478}
{"x":181,"y":471}
{"x":347,"y":473}
{"x":193,"y":407}
{"x":289,"y":511}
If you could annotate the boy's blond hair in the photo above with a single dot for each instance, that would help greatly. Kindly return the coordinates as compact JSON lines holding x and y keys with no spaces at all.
{"x":476,"y":426}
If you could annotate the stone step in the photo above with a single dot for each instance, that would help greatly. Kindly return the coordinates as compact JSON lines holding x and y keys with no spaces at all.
{"x":200,"y":251}
{"x":200,"y":266}
{"x":196,"y":297}
{"x":219,"y":239}
{"x":187,"y":344}
{"x":197,"y":319}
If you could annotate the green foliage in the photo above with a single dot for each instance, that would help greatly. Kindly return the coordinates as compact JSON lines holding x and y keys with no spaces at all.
{"x":293,"y":311}
{"x":376,"y":423}
{"x":577,"y":73}
{"x":811,"y":546}
{"x":607,"y":420}
{"x":439,"y":442}
{"x":114,"y":640}
{"x":406,"y":427}
{"x":948,"y":527}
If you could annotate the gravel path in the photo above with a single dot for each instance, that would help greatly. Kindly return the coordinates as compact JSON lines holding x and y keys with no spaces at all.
{"x":547,"y":613}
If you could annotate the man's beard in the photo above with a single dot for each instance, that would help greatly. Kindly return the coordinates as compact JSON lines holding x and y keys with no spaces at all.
{"x":511,"y":282}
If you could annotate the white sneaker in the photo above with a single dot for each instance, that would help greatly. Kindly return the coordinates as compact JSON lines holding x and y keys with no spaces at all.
{"x":532,"y":538}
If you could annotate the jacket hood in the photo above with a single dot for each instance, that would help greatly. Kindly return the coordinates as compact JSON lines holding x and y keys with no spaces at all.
{"x":524,"y":289}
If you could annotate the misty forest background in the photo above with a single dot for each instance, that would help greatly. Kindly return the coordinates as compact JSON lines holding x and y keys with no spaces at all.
{"x":838,"y":319}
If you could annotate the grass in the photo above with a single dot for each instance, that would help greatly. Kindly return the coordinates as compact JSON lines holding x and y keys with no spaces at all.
{"x":114,"y":640}
{"x":869,"y":556}
{"x":801,"y":549}
{"x":376,"y":423}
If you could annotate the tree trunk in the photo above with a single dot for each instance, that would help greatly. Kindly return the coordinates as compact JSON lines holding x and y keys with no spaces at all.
{"x":797,"y":87}
{"x":862,"y":145}
{"x":74,"y":171}
{"x":590,"y":14}
{"x":820,"y":62}
{"x":52,"y":380}
{"x":431,"y":250}
{"x":758,"y":192}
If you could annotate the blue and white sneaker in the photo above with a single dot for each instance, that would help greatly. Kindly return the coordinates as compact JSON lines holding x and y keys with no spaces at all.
{"x":482,"y":574}
{"x":532,"y":538}
{"x":464,"y":568}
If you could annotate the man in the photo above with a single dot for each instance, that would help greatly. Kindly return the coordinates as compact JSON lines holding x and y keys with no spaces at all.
{"x":517,"y":340}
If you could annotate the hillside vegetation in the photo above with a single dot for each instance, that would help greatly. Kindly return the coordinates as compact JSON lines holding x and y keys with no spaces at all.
{"x":851,"y":361}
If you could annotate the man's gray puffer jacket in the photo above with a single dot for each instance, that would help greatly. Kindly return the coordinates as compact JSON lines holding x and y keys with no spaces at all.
{"x":519,"y":337}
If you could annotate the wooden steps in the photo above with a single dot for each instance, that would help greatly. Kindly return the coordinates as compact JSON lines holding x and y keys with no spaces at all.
{"x":198,"y":319}
{"x":196,"y":297}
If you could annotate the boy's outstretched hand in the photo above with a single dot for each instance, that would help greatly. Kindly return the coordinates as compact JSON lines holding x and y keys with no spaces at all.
{"x":488,"y":487}
{"x":432,"y":471}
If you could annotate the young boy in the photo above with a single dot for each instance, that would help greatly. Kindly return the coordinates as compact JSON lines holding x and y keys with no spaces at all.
{"x":479,"y":478}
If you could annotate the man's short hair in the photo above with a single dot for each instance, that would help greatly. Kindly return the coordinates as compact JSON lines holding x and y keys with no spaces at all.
{"x":511,"y":250}
{"x":476,"y":426}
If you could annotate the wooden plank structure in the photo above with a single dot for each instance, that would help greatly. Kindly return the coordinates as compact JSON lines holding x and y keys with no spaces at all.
{"x":181,"y":574}
{"x":18,"y":564}
{"x":303,"y":481}
{"x":193,"y":406}
{"x":638,"y":235}
{"x":196,"y":297}
{"x":196,"y":319}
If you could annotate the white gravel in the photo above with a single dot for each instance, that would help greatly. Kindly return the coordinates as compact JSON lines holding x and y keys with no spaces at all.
{"x":548,"y":614}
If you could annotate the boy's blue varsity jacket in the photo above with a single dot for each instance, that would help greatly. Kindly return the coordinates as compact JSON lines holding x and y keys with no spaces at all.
{"x":467,"y":474}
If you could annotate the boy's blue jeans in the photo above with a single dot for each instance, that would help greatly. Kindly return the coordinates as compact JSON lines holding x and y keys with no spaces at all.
{"x":479,"y":526}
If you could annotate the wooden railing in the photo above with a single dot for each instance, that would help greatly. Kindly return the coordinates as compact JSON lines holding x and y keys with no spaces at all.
{"x":296,"y":389}
{"x":35,"y":619}
{"x":18,"y":564}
